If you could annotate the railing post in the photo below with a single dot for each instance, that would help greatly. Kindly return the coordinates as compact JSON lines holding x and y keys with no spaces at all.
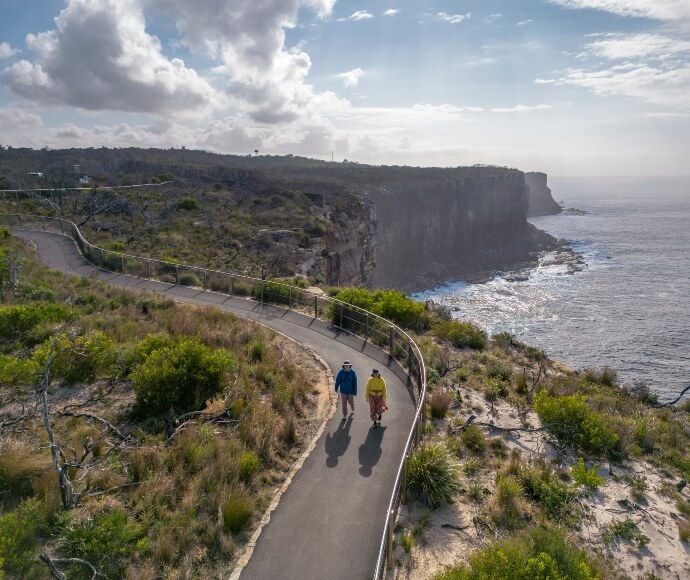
{"x":177,"y":274}
{"x":148,"y":269}
{"x":316,"y":306}
{"x":62,"y":227}
{"x":342,"y":307}
{"x":205,"y":272}
{"x":391,"y":342}
{"x":44,"y":224}
{"x":122,"y":263}
{"x":262,"y":291}
{"x":21,"y":222}
{"x":289,"y":297}
{"x":232,"y":284}
{"x":409,"y":356}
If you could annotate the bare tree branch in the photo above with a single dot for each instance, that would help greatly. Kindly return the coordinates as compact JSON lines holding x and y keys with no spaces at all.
{"x":53,"y":564}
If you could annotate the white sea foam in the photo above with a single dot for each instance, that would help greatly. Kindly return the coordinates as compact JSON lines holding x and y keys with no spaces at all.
{"x":630,"y":306}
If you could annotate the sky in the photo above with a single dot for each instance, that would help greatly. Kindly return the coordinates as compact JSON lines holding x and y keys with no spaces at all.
{"x":568,"y":87}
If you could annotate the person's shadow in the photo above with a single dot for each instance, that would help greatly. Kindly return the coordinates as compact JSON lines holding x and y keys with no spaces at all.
{"x":370,"y":451}
{"x":338,"y":442}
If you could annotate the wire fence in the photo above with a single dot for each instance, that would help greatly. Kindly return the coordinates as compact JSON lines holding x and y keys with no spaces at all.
{"x":373,"y":328}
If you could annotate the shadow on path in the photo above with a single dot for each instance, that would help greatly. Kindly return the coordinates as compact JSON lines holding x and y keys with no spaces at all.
{"x":338,"y":442}
{"x":370,"y":451}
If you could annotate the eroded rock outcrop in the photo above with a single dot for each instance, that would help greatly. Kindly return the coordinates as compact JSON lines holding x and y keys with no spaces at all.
{"x":539,"y":200}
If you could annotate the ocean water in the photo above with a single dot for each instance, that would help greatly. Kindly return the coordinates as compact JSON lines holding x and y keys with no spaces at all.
{"x":629,"y":307}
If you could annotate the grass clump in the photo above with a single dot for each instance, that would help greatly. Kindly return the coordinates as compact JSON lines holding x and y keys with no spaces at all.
{"x":439,"y":403}
{"x":473,"y":438}
{"x":554,"y":496}
{"x":105,"y":540}
{"x":626,"y":530}
{"x":236,"y":510}
{"x":19,"y":467}
{"x":684,"y":531}
{"x":507,"y":509}
{"x":542,"y":553}
{"x":406,"y":542}
{"x":189,"y":279}
{"x":432,"y":475}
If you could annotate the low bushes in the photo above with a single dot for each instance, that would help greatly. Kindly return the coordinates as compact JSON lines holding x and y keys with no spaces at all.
{"x":182,"y":374}
{"x":432,"y":475}
{"x":571,"y":420}
{"x":277,"y":292}
{"x":78,"y":358}
{"x":538,"y":554}
{"x":20,"y":318}
{"x":389,"y":304}
{"x":460,"y":334}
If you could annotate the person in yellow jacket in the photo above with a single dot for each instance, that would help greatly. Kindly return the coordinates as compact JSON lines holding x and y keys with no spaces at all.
{"x":376,"y":397}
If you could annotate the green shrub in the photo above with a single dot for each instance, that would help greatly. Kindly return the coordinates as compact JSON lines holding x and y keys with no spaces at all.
{"x":19,"y":530}
{"x":5,"y":233}
{"x":573,"y":422}
{"x":105,"y":540}
{"x":80,"y":358}
{"x":187,"y":203}
{"x":389,"y":304}
{"x":603,"y":376}
{"x":277,"y":292}
{"x":16,"y":371}
{"x":183,"y":375}
{"x":460,"y":334}
{"x":432,"y":475}
{"x":189,"y":279}
{"x":586,"y":477}
{"x":20,"y":318}
{"x":537,"y":554}
{"x":553,"y":495}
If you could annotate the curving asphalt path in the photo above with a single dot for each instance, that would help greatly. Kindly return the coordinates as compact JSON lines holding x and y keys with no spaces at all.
{"x":329,"y":522}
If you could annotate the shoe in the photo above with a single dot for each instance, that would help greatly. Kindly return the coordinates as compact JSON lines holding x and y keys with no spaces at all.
{"x":374,"y":425}
{"x":344,"y":417}
{"x":379,"y":417}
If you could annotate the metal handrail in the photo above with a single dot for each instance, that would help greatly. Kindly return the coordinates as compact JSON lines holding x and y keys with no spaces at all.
{"x":413,"y":353}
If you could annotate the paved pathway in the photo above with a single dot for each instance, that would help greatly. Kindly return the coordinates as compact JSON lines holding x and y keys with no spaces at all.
{"x":329,"y":522}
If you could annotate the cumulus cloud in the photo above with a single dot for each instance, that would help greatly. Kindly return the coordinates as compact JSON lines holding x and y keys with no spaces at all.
{"x":12,"y":119}
{"x":351,"y":77}
{"x":649,"y":67}
{"x":358,"y":15}
{"x":523,"y":22}
{"x":262,"y":77}
{"x":6,"y":51}
{"x":392,"y":12}
{"x":656,"y":9}
{"x":453,"y":18}
{"x":100,"y":57}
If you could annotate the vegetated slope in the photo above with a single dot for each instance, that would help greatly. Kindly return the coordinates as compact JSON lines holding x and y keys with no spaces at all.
{"x":339,"y":223}
{"x":170,"y":425}
{"x":551,"y":473}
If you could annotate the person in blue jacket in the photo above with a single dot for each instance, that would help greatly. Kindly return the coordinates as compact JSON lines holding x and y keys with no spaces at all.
{"x":346,"y":381}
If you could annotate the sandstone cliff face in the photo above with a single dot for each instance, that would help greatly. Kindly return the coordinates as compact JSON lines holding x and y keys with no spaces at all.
{"x":430,"y":232}
{"x":539,"y":198}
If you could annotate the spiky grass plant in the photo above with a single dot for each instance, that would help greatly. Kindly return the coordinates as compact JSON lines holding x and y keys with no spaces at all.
{"x":432,"y":475}
{"x":439,"y":403}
